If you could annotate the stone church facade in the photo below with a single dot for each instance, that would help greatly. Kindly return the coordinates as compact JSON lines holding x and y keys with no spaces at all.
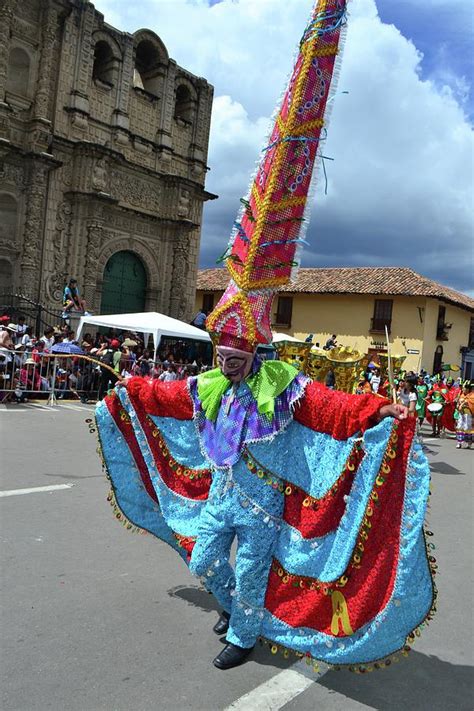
{"x":103,"y":148}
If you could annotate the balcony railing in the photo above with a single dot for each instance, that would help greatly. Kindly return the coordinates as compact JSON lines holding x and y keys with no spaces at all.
{"x":377,"y":325}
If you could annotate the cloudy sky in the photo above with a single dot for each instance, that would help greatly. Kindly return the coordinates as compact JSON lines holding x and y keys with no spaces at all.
{"x":399,"y":188}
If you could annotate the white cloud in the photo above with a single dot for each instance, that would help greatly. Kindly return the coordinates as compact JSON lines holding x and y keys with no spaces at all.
{"x":400,"y":187}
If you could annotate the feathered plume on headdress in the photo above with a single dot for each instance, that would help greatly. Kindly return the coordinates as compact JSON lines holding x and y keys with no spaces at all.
{"x":264,"y":247}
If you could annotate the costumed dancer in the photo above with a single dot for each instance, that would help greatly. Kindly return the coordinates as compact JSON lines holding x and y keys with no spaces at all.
{"x":448,"y":421}
{"x":324,"y":491}
{"x":465,"y":413}
{"x":422,"y":394}
{"x":436,"y":405}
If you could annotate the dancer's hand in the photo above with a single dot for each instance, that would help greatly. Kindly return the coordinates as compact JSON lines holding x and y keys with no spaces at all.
{"x":399,"y":412}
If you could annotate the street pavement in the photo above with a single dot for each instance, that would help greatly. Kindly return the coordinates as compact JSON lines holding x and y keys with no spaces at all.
{"x":95,"y":618}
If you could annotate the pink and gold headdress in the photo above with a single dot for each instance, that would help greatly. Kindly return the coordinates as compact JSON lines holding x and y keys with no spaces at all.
{"x":267,"y":236}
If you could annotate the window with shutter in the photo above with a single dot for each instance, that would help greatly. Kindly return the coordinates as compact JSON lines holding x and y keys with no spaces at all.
{"x":207,"y":302}
{"x":382,"y":315}
{"x":284,"y":311}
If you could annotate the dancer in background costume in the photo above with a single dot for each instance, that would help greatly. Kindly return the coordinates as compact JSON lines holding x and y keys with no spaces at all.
{"x":465,"y":414}
{"x":324,"y":491}
{"x":422,"y":393}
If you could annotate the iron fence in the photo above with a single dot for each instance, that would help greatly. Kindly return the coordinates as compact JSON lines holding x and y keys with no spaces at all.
{"x":30,"y":375}
{"x":36,"y":315}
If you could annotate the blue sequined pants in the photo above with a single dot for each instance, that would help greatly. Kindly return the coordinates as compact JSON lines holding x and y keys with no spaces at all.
{"x":238,"y":507}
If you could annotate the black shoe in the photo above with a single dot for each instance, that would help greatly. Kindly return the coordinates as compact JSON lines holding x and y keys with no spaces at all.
{"x":231,"y":656}
{"x":222,"y":624}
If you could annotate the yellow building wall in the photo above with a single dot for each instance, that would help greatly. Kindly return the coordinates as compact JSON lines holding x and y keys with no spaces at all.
{"x":414,"y":324}
{"x":349,"y":317}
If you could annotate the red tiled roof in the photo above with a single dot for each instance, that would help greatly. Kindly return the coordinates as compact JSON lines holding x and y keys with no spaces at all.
{"x":393,"y":281}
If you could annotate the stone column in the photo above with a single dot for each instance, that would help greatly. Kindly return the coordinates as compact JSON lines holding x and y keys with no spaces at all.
{"x":45,"y":74}
{"x":95,"y":236}
{"x":163,"y":135}
{"x":123,"y":90}
{"x":33,"y":231}
{"x":7,"y":10}
{"x":83,"y":17}
{"x":178,"y":300}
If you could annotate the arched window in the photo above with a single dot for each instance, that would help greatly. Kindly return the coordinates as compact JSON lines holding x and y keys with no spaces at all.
{"x":147,"y":64}
{"x":183,"y":108}
{"x":8,"y":217}
{"x":104,"y":63}
{"x":18,"y":72}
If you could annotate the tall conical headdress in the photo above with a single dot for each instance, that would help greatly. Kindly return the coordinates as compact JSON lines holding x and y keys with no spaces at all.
{"x":262,"y":254}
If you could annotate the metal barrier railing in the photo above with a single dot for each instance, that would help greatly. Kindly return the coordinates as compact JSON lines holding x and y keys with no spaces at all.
{"x":36,"y":315}
{"x":28,"y":375}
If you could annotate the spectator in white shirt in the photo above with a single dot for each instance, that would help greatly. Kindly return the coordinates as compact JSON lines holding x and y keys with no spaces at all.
{"x":6,"y":336}
{"x":407,"y":396}
{"x":27,"y":338}
{"x":20,"y":329}
{"x":48,"y":339}
{"x":168,"y":375}
{"x":375,"y":380}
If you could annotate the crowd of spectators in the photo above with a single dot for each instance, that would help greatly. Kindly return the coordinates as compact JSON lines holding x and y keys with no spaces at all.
{"x":27,"y":362}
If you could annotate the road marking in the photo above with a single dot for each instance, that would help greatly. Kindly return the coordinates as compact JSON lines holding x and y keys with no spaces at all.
{"x":36,"y":489}
{"x":276,"y":692}
{"x":76,"y":407}
{"x":25,"y":408}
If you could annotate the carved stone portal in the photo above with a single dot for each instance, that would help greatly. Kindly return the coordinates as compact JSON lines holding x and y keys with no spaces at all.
{"x":61,"y":240}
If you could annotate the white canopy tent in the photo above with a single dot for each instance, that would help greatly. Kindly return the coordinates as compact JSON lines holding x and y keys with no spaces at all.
{"x":149,"y":323}
{"x":277,"y":337}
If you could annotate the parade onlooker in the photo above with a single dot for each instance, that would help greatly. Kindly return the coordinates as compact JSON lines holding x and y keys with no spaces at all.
{"x":375,"y":380}
{"x":87,"y":341}
{"x":143,"y":363}
{"x":72,"y":299}
{"x":30,"y":376}
{"x":38,"y":350}
{"x":107,"y":355}
{"x":27,"y":340}
{"x":200,"y":319}
{"x":363,"y":386}
{"x":169,"y":374}
{"x":6,"y":336}
{"x":21,"y":328}
{"x":330,"y":380}
{"x":48,"y":339}
{"x":407,"y":396}
{"x":331,"y":343}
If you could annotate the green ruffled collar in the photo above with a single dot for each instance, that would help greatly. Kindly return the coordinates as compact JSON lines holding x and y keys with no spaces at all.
{"x":266,"y":384}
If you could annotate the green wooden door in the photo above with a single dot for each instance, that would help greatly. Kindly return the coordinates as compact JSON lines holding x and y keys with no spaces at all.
{"x":124,"y":286}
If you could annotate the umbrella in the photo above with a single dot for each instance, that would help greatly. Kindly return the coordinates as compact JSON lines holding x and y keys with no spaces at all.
{"x":450,"y":366}
{"x":67,"y":349}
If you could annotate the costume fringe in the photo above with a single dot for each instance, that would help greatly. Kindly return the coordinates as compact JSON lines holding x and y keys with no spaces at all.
{"x":111,"y":496}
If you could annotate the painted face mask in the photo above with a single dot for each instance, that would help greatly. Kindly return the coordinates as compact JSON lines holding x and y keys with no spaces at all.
{"x":234,"y":363}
